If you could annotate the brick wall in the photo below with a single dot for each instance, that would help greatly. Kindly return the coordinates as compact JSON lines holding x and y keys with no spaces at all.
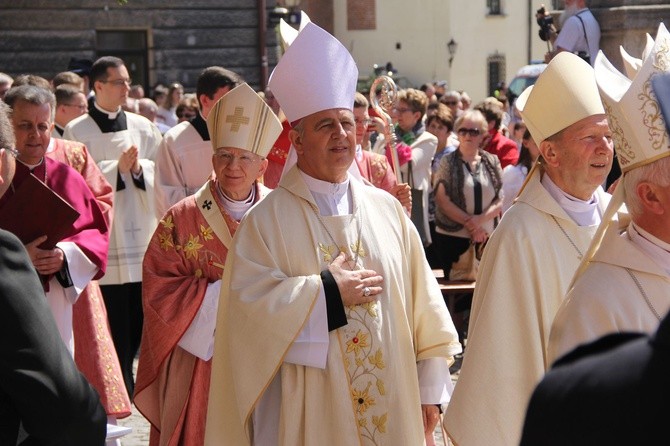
{"x":361,"y":14}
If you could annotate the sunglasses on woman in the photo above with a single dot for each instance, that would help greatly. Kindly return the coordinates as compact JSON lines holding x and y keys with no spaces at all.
{"x":465,"y":131}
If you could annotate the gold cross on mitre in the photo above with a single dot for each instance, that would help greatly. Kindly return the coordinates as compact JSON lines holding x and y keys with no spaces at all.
{"x":237,"y":119}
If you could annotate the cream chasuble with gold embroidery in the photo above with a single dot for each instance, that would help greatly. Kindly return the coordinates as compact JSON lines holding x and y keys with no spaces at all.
{"x":368,"y":393}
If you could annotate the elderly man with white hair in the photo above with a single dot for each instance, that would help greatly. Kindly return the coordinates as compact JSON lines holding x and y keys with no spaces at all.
{"x":532,"y":255}
{"x":625,"y":284}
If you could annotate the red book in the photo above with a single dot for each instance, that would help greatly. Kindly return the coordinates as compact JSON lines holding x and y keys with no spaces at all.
{"x":35,"y":210}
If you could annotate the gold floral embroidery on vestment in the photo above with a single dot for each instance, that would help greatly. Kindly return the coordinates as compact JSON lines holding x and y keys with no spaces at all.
{"x":167,"y":222}
{"x":206,"y":233}
{"x":362,"y":400}
{"x":165,"y":240}
{"x":327,"y":251}
{"x":192,"y":246}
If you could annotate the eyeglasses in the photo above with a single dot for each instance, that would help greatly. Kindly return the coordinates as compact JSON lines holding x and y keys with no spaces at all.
{"x":188,"y":116}
{"x":118,"y":82}
{"x":450,"y":102}
{"x":83,"y":108}
{"x":472,"y":132}
{"x":227,"y":158}
{"x":363,"y":121}
{"x":401,"y":110}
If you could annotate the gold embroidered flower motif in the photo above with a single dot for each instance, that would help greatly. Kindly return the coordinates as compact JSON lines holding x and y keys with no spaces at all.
{"x":192,"y":246}
{"x":371,"y":308}
{"x":357,"y":249}
{"x":165,"y":240}
{"x":327,"y":251}
{"x":380,"y":422}
{"x":362,"y":400}
{"x":357,"y":343}
{"x":206,"y":233}
{"x":380,"y":387}
{"x":377,"y":359}
{"x":167,"y":223}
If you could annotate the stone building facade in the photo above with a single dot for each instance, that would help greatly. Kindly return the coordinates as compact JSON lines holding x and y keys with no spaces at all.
{"x":160,"y":40}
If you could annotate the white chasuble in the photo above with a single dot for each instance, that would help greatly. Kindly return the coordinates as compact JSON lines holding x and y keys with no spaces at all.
{"x":368,"y":393}
{"x":523,"y":277}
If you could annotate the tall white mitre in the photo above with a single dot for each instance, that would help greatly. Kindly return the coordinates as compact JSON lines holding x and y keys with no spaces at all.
{"x":315,"y":73}
{"x":637,"y":125}
{"x":638,"y":129}
{"x":632,"y":64}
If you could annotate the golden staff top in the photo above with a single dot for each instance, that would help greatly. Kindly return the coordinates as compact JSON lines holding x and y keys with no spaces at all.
{"x":383,"y":103}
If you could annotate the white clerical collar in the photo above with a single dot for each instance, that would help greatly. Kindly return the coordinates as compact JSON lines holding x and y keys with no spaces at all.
{"x":331,"y":198}
{"x":111,"y":115}
{"x":30,"y":166}
{"x":654,"y":247}
{"x":584,"y":213}
{"x":359,"y":152}
{"x":236,"y":208}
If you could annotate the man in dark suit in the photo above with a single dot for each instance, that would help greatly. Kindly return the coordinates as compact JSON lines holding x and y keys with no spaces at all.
{"x":613,"y":391}
{"x":40,"y":386}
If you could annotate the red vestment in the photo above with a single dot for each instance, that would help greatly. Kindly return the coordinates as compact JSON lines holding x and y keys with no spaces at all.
{"x":277,"y":157}
{"x":184,"y":256}
{"x":504,"y":148}
{"x":376,"y":169}
{"x":94,"y":351}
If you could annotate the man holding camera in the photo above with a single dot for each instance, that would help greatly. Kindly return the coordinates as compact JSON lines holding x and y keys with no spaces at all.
{"x":579,"y":34}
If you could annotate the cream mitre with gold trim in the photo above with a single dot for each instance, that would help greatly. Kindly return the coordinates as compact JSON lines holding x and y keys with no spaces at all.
{"x":241,"y":119}
{"x":565,"y":92}
{"x":638,"y":129}
{"x":289,"y":33}
{"x":632,"y":64}
{"x":637,"y":125}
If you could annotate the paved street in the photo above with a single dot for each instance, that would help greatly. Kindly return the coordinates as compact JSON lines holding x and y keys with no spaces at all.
{"x":140,"y":434}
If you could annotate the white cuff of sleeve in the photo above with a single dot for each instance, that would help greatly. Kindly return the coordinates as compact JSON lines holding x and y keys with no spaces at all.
{"x":199,"y":337}
{"x":80,"y":267}
{"x":435,"y":386}
{"x":311,"y":346}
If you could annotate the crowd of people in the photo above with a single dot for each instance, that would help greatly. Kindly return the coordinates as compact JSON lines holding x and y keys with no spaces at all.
{"x":274,"y":269}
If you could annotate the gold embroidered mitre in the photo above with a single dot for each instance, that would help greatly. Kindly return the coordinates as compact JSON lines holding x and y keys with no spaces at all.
{"x":632,"y":64}
{"x":565,"y":93}
{"x":289,"y":33}
{"x":636,"y":121}
{"x":241,"y":119}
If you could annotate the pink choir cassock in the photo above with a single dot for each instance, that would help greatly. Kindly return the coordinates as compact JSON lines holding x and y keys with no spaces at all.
{"x":185,"y":255}
{"x":375,"y":168}
{"x":89,"y":232}
{"x":94,"y":352}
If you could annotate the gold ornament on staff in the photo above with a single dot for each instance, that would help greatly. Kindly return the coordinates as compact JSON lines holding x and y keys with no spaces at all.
{"x":383,"y":103}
